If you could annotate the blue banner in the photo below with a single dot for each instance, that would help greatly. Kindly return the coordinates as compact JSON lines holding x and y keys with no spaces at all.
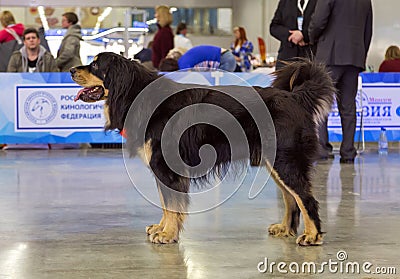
{"x":39,"y":107}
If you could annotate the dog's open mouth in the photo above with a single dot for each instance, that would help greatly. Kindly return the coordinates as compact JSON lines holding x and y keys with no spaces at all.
{"x":90,"y":94}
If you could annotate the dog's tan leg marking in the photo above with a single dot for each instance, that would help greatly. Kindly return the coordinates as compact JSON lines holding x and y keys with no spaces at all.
{"x":283,"y":229}
{"x":171,"y":223}
{"x":145,"y":152}
{"x":310,"y":235}
{"x":172,"y":228}
{"x":152,"y":229}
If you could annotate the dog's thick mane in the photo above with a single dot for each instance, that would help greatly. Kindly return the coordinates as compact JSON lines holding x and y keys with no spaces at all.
{"x":125,"y":79}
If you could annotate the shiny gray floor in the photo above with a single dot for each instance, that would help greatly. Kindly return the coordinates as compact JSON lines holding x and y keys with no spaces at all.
{"x":75,"y":214}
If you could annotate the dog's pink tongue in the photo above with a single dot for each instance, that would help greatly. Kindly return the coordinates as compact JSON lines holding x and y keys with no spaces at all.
{"x":80,"y":92}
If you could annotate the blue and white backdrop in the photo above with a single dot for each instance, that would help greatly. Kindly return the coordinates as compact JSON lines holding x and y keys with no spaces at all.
{"x":40,"y":107}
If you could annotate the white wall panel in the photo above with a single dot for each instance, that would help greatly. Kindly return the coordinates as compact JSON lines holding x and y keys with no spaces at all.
{"x":255,"y":16}
{"x":249,"y":14}
{"x":386,"y":29}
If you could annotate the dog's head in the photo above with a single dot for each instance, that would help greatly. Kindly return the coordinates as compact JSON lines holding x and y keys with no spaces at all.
{"x":113,"y":78}
{"x":92,"y":78}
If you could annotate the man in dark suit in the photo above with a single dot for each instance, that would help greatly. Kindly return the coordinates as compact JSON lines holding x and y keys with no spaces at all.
{"x":343,"y":30}
{"x":290,"y":26}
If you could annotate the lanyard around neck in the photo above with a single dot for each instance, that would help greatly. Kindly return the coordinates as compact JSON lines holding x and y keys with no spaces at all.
{"x":302,"y":9}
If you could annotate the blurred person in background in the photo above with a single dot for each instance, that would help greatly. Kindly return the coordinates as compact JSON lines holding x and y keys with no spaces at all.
{"x":202,"y":58}
{"x":32,"y":57}
{"x":10,"y":27}
{"x":144,"y":56}
{"x":343,"y":30}
{"x":163,"y":40}
{"x":392,"y":60}
{"x":68,"y":54}
{"x":180,"y":39}
{"x":10,"y":38}
{"x":242,"y":49}
{"x":290,"y":26}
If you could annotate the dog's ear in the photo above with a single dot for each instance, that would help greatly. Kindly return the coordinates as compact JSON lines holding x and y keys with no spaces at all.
{"x":292,"y":74}
{"x":294,"y":77}
{"x":124,"y":79}
{"x":119,"y":78}
{"x":117,"y":72}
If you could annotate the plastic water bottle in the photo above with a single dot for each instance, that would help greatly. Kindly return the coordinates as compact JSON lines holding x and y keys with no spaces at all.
{"x":383,"y":142}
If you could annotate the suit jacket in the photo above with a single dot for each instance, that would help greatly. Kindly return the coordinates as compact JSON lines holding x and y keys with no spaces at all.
{"x":285,"y":19}
{"x":343,"y":30}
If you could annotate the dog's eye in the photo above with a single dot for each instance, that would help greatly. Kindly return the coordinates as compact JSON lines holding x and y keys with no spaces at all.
{"x":95,"y":66}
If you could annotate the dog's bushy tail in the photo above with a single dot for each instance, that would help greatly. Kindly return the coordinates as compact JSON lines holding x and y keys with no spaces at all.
{"x":311,"y":83}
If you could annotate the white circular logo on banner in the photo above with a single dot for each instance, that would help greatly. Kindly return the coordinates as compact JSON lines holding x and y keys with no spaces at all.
{"x":40,"y":107}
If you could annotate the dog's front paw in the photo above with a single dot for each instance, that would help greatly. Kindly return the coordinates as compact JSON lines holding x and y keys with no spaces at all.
{"x":310,"y":239}
{"x":163,"y":238}
{"x":152,"y":229}
{"x":280,"y":230}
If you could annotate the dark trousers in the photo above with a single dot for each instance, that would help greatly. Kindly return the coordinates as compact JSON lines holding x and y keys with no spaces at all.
{"x":346,"y":79}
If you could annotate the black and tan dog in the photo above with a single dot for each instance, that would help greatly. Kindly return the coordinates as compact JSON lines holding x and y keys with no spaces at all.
{"x":301,"y":95}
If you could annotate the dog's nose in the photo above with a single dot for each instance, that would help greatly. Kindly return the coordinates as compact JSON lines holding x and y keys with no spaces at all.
{"x":72,"y":70}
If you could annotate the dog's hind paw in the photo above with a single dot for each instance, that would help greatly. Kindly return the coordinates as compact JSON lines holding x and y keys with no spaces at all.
{"x":310,"y":240}
{"x":280,"y":230}
{"x":163,"y":238}
{"x":152,"y":229}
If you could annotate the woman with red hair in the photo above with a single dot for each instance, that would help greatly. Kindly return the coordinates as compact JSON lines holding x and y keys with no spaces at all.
{"x":242,"y":49}
{"x":392,"y":60}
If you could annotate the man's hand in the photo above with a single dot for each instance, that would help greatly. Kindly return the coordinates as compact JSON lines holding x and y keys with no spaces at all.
{"x":296,"y":37}
{"x":302,"y":43}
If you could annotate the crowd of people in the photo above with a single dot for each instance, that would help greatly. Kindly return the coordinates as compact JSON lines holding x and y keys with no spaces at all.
{"x":236,"y":58}
{"x":29,"y":52}
{"x":32,"y":53}
{"x":305,"y":28}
